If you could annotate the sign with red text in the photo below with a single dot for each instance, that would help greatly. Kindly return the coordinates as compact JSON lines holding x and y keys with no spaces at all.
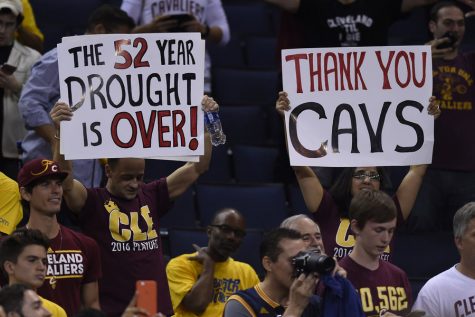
{"x":361,"y":106}
{"x":133,"y":95}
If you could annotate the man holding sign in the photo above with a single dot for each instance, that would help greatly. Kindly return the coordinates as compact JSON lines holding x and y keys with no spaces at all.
{"x":123,"y":218}
{"x":42,"y":90}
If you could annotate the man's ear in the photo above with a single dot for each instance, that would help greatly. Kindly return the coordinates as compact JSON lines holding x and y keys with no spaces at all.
{"x":354,"y":226}
{"x":432,"y":26}
{"x":267,"y":264}
{"x":9,"y":267}
{"x":108,"y":170}
{"x":99,"y":29}
{"x":25,"y":194}
{"x":458,"y":243}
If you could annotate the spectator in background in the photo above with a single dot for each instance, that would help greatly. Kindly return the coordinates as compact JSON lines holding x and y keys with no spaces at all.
{"x":450,"y":180}
{"x":380,"y":284}
{"x":28,"y":33}
{"x":280,"y":293}
{"x":334,"y":23}
{"x":124,"y":218}
{"x":22,"y":301}
{"x":206,"y":17}
{"x":23,"y":259}
{"x":11,"y":210}
{"x":330,"y":208}
{"x":451,"y":293}
{"x":73,"y":259}
{"x":201,"y":282}
{"x":41,"y":91}
{"x":16,"y":61}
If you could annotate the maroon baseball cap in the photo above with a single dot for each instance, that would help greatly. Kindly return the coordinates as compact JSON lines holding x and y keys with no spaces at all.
{"x":39,"y":169}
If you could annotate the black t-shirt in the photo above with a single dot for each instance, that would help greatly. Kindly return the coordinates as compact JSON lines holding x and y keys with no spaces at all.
{"x":329,"y":23}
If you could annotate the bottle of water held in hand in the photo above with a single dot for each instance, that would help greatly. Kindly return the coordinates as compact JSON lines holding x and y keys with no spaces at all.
{"x":213,"y":124}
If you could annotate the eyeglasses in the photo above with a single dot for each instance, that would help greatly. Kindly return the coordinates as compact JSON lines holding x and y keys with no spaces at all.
{"x":228,"y":230}
{"x":361,"y":176}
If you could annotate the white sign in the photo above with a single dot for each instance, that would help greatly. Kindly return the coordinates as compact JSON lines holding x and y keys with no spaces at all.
{"x":361,"y":106}
{"x":133,"y":95}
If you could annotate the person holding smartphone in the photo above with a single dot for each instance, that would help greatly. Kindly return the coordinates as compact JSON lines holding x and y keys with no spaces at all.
{"x":16,"y":60}
{"x":449,"y":182}
{"x":205,"y":16}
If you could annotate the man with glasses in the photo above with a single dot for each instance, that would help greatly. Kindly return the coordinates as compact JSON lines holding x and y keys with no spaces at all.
{"x":200,"y":283}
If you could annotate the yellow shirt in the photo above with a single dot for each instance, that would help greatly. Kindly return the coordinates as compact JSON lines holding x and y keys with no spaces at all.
{"x":11,"y":211}
{"x":53,"y":308}
{"x":29,"y":22}
{"x":229,"y":277}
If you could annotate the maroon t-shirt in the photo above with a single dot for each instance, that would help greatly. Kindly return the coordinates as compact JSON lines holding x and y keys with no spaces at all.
{"x":454,"y":131}
{"x":73,"y":260}
{"x":386,"y":287}
{"x":127,"y":232}
{"x":337,"y":236}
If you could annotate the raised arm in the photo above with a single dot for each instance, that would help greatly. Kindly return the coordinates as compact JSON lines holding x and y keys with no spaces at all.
{"x":74,"y":192}
{"x":179,"y":181}
{"x":288,"y":5}
{"x":310,"y":186}
{"x":201,"y":294}
{"x":411,"y":183}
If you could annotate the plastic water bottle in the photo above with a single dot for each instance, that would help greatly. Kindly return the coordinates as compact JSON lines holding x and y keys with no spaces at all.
{"x":213,"y":124}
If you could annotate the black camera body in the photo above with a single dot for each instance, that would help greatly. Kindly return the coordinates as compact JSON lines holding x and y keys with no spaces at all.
{"x":451,"y":42}
{"x":311,"y":262}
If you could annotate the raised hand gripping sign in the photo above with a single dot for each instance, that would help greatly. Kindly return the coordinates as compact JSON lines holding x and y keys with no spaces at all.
{"x":362,"y":106}
{"x":133,"y":95}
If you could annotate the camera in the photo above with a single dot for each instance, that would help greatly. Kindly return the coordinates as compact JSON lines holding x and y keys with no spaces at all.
{"x":310,"y":262}
{"x":452,"y":40}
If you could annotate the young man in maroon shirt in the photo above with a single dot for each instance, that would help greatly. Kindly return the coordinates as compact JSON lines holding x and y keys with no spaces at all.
{"x":381,"y":285}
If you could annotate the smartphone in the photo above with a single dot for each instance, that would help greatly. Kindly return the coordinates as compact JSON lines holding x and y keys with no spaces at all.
{"x":450,"y":43}
{"x":147,"y":296}
{"x":8,"y":69}
{"x":182,"y":18}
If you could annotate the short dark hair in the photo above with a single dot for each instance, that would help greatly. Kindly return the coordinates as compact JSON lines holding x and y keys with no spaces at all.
{"x":270,"y":243}
{"x":372,"y":205}
{"x":13,"y":245}
{"x":12,"y":297}
{"x":224,"y":211}
{"x":434,"y":11}
{"x":341,"y":189}
{"x":110,"y":17}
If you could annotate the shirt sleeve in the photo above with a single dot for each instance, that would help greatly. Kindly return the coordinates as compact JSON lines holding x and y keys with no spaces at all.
{"x":40,"y":92}
{"x":215,"y":16}
{"x":11,"y":211}
{"x":237,"y":307}
{"x":181,"y":278}
{"x":29,"y":22}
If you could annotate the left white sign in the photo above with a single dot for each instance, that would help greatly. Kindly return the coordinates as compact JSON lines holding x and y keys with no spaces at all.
{"x":133,"y":95}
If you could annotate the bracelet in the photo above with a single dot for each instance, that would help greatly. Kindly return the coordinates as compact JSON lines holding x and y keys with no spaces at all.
{"x":56,"y":136}
{"x":206,"y":33}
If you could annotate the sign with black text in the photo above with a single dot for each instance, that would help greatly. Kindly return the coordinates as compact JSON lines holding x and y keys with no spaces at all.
{"x":133,"y":95}
{"x":360,"y":106}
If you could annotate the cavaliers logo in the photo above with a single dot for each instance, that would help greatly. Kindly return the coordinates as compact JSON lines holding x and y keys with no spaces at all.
{"x":46,"y":165}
